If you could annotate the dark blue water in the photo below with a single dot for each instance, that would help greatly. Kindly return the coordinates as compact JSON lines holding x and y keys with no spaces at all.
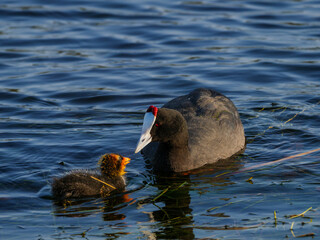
{"x":77,"y":76}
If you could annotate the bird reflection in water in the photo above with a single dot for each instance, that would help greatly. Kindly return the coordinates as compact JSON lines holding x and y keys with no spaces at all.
{"x":84,"y":207}
{"x":174,"y":212}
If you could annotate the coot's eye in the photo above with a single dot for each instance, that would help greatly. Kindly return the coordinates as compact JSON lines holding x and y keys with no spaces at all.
{"x":158,"y":124}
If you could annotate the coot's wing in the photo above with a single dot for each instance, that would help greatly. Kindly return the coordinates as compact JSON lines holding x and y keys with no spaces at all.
{"x":214,"y":125}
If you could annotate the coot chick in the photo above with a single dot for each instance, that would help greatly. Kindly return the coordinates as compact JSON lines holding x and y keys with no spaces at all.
{"x":85,"y":183}
{"x":191,"y":131}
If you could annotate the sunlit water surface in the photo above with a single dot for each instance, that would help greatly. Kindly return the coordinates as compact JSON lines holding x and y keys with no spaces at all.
{"x":77,"y":76}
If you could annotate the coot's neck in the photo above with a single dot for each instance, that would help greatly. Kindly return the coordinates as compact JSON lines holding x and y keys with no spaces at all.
{"x":173,"y":154}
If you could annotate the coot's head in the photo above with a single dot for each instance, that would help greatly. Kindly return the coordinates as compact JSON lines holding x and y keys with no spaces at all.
{"x":113,"y":164}
{"x":161,"y":125}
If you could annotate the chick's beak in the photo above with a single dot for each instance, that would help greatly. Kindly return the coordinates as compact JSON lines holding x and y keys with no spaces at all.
{"x":125,"y":160}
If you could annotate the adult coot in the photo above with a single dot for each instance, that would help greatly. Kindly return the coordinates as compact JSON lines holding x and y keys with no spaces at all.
{"x":84,"y":183}
{"x":191,"y":131}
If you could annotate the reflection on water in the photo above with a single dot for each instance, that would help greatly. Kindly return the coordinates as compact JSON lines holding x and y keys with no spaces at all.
{"x":86,"y":207}
{"x":175,"y":214}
